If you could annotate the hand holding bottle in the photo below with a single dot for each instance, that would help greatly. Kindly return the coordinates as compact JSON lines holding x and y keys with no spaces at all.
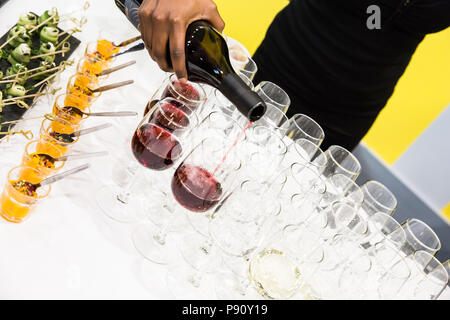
{"x":163,"y":25}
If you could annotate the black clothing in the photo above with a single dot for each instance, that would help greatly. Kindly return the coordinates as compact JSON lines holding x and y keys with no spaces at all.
{"x":334,"y":68}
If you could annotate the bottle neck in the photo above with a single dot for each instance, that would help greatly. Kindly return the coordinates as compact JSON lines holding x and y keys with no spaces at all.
{"x":248,"y":102}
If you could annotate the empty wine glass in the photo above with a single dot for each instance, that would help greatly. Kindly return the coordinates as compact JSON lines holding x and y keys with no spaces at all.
{"x":390,"y":275}
{"x":306,"y":152}
{"x":237,"y":228}
{"x":273,"y":94}
{"x":419,"y":236}
{"x":273,"y":118}
{"x":431,"y":277}
{"x":340,"y":160}
{"x":377,"y":198}
{"x":383,"y":228}
{"x":266,"y":150}
{"x":302,"y":126}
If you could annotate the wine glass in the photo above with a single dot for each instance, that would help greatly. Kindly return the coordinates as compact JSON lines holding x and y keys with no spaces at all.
{"x":302,"y":126}
{"x":340,"y":160}
{"x":377,"y":198}
{"x":266,"y":150}
{"x":273,"y":118}
{"x":157,"y":144}
{"x":221,"y":103}
{"x":190,"y":96}
{"x":237,"y":228}
{"x":204,"y":178}
{"x":271,"y":93}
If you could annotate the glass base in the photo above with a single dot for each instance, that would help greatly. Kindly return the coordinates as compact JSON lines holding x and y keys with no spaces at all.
{"x":184,"y":283}
{"x":230,"y":287}
{"x":153,"y":245}
{"x":113,"y":208}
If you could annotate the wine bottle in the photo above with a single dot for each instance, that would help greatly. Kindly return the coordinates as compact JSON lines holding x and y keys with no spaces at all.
{"x":207,"y":61}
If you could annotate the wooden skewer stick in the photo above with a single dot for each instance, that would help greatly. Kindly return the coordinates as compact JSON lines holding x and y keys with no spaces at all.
{"x":6,"y":101}
{"x":113,"y":69}
{"x":45,"y":71}
{"x":112,"y":86}
{"x":127,"y":42}
{"x":46,"y":79}
{"x":23,"y":72}
{"x":48,"y":54}
{"x":36,"y":27}
{"x":9,"y":81}
{"x":64,"y":40}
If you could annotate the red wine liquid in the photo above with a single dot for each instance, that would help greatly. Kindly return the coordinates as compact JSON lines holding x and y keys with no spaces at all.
{"x":170,"y":117}
{"x":185,"y":93}
{"x":154,"y":147}
{"x":195,"y":188}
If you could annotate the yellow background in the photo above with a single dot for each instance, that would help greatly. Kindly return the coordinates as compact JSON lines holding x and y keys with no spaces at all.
{"x":421,"y":94}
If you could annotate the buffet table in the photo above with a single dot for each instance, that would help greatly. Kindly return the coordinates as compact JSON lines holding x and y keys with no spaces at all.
{"x":68,"y":248}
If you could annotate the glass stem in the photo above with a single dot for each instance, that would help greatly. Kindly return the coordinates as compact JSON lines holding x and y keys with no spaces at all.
{"x":161,"y":235}
{"x":124,"y":195}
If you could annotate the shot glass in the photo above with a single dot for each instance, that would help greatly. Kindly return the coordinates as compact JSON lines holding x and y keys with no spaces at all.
{"x":16,"y":205}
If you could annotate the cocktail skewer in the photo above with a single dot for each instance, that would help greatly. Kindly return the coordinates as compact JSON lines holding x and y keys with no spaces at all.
{"x":48,"y":54}
{"x":113,"y":69}
{"x":31,"y":31}
{"x":102,"y":114}
{"x":71,"y":156}
{"x":111,"y":86}
{"x":73,"y":135}
{"x":32,"y":187}
{"x":127,"y":42}
{"x":137,"y":47}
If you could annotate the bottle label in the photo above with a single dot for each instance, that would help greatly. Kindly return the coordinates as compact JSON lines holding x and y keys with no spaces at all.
{"x":131,"y":10}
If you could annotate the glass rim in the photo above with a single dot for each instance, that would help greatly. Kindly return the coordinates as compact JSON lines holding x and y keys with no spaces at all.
{"x":159,"y":106}
{"x":202,"y":92}
{"x":45,"y":130}
{"x":307,"y":167}
{"x":261,"y":85}
{"x":35,"y":142}
{"x":385,"y":189}
{"x":349,"y":154}
{"x":389,"y":218}
{"x":275,"y":134}
{"x":407,"y":224}
{"x":316,"y":154}
{"x":46,"y":187}
{"x":438,"y":264}
{"x":58,"y":105}
{"x":311,"y":120}
{"x":284,"y":119}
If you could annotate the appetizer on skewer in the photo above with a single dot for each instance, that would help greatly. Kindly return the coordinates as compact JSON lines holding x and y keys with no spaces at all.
{"x":19,"y":35}
{"x":21,"y":54}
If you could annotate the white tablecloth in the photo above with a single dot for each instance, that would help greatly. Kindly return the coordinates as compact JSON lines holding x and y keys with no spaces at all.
{"x":69,"y":249}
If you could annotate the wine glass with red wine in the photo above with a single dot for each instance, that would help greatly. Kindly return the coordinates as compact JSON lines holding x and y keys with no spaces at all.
{"x":157,"y":144}
{"x":191,"y":96}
